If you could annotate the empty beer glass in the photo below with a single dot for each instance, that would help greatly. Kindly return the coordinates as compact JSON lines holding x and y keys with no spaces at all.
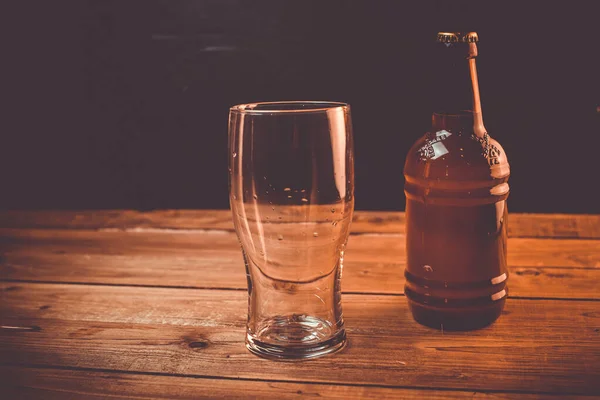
{"x":291,"y":188}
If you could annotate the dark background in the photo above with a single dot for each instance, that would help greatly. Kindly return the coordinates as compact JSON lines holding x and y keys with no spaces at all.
{"x":124,"y":104}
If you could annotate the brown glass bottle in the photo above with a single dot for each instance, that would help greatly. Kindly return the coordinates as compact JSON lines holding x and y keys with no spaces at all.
{"x":456,"y":216}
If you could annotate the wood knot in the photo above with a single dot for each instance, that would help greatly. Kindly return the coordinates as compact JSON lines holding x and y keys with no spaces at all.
{"x":532,"y":272}
{"x":12,"y":288}
{"x":199,"y":344}
{"x":45,"y":307}
{"x":591,"y":314}
{"x":566,"y":275}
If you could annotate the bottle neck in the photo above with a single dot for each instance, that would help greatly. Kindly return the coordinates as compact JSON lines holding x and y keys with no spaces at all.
{"x":456,"y":87}
{"x":457,"y":123}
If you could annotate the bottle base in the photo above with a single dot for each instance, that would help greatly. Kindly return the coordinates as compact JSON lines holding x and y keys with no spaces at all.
{"x":295,"y":338}
{"x":456,"y":319}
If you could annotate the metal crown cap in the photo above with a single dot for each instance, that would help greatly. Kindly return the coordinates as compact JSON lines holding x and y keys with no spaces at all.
{"x":447,"y":37}
{"x":455,"y":37}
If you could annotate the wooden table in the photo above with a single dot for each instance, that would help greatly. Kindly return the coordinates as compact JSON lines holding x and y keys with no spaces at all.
{"x":130,"y":304}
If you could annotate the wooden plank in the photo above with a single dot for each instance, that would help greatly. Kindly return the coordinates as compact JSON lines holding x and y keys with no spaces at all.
{"x":584,"y":226}
{"x":50,"y":384}
{"x":373,"y":263}
{"x":359,"y":277}
{"x":522,"y":252}
{"x":392,"y":222}
{"x":536,"y":346}
{"x":118,"y":219}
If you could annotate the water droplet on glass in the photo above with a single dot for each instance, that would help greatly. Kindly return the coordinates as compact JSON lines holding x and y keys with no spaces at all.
{"x":273,"y":208}
{"x":334,"y":223}
{"x":286,"y":189}
{"x":265,"y":178}
{"x":255,"y":197}
{"x":289,"y":197}
{"x":333,"y":210}
{"x":234,"y":154}
{"x":303,"y":190}
{"x":279,"y":217}
{"x":427,"y":268}
{"x":304,"y":199}
{"x":266,"y":192}
{"x":279,"y":237}
{"x":234,"y":197}
{"x":315,"y":234}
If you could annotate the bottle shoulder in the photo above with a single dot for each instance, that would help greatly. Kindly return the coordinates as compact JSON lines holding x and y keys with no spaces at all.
{"x":444,"y":155}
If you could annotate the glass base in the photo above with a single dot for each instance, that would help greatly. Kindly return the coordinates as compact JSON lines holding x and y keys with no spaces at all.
{"x":295,"y":337}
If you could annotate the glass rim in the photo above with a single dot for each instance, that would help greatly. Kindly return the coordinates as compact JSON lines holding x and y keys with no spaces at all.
{"x":288,"y":107}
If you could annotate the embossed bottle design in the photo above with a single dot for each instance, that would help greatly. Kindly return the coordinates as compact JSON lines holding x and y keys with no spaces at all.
{"x":456,"y":216}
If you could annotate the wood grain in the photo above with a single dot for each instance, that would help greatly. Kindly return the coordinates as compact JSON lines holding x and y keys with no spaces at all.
{"x":363,"y":277}
{"x":555,"y":268}
{"x":541,"y":346}
{"x":523,"y":252}
{"x":51,"y":384}
{"x":520,"y":225}
{"x":93,"y":338}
